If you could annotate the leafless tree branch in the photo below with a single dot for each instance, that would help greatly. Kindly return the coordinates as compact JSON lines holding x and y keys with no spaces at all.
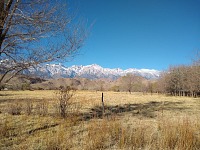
{"x":34,"y":32}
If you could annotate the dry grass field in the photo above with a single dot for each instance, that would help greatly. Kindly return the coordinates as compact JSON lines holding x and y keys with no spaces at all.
{"x":31,"y":120}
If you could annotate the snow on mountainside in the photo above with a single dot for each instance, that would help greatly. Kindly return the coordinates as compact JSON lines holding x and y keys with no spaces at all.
{"x":90,"y":71}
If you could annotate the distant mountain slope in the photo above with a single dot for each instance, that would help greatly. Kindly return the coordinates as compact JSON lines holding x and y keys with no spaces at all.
{"x":90,"y":71}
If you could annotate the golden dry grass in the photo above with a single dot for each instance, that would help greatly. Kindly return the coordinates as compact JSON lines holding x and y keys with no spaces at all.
{"x":131,"y":121}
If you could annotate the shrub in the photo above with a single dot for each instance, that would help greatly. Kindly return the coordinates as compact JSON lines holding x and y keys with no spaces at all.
{"x":15,"y":109}
{"x":63,"y":97}
{"x":42,"y":107}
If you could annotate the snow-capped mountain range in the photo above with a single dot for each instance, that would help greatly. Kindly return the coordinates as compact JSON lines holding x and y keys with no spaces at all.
{"x":93,"y":71}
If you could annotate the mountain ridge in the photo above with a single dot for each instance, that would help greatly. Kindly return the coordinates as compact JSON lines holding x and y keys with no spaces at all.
{"x":93,"y":71}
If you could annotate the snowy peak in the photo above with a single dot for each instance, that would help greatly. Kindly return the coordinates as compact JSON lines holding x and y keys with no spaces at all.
{"x":93,"y":71}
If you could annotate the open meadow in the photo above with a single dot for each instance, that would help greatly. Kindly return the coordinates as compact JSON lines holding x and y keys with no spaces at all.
{"x":31,"y":120}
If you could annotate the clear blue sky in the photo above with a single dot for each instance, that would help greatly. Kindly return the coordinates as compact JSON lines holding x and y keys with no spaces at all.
{"x":149,"y":34}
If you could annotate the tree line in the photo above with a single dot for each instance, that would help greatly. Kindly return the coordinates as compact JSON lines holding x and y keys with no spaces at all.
{"x":181,"y":81}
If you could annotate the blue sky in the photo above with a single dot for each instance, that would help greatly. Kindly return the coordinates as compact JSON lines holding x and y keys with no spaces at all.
{"x":151,"y":34}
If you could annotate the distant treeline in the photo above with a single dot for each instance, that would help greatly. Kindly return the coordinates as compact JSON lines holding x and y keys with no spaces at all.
{"x":181,"y":81}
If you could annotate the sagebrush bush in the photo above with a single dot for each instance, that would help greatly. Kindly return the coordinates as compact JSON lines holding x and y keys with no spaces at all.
{"x":15,"y":109}
{"x":63,"y":97}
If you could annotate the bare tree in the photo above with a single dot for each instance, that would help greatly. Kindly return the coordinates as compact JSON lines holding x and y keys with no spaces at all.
{"x":128,"y":82}
{"x":34,"y":32}
{"x":196,"y":59}
{"x":84,"y":83}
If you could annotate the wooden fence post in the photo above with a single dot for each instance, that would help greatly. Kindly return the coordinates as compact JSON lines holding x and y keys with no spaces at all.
{"x":103,"y":109}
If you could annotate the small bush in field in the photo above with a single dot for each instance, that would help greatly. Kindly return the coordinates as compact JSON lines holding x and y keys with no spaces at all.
{"x":15,"y":109}
{"x":41,"y":107}
{"x":63,"y":97}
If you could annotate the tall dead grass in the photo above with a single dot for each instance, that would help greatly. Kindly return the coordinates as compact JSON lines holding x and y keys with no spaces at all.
{"x":179,"y":133}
